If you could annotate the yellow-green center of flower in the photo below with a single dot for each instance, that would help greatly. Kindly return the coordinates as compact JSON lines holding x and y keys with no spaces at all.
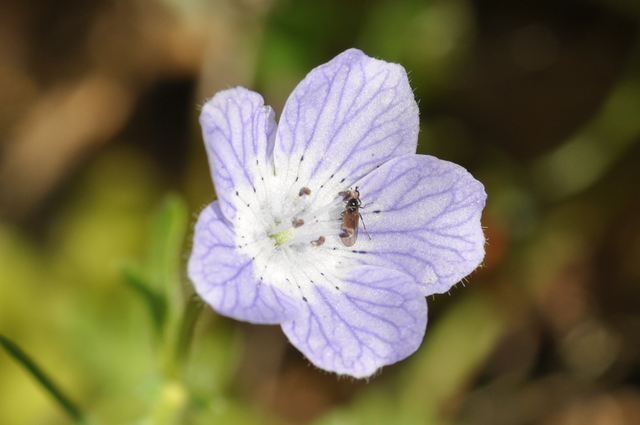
{"x":283,"y":236}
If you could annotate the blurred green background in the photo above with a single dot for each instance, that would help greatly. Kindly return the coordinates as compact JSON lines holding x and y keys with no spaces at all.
{"x":103,"y":172}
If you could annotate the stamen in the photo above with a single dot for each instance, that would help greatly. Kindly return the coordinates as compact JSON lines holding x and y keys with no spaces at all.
{"x":298,"y":217}
{"x":295,"y":222}
{"x":310,"y":237}
{"x":318,"y":242}
{"x":285,"y":225}
{"x":304,"y":191}
{"x":323,"y":209}
{"x":299,"y":207}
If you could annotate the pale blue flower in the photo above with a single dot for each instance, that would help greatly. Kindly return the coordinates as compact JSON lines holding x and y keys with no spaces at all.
{"x":269,"y":250}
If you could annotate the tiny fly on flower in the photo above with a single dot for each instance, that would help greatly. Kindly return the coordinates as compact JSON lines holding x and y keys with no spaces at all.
{"x":351,"y":217}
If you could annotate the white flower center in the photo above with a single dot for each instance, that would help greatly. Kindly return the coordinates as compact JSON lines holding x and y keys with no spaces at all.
{"x":301,"y":226}
{"x":294,"y":241}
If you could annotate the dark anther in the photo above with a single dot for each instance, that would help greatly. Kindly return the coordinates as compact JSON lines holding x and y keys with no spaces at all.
{"x":304,"y":191}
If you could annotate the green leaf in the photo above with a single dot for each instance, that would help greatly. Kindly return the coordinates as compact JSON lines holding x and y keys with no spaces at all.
{"x":154,"y":300}
{"x":159,"y":280}
{"x":165,"y":251}
{"x":21,"y":357}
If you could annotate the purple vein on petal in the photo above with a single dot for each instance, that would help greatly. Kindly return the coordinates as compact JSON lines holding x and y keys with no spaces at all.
{"x":343,"y":114}
{"x":376,"y":319}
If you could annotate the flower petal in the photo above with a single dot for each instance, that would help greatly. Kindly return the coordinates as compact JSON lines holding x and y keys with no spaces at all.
{"x":225,"y":279}
{"x":239,"y":133}
{"x":424,"y":220}
{"x":376,"y":317}
{"x":343,"y":120}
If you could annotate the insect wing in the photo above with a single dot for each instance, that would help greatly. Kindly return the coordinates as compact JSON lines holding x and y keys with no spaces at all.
{"x":349,"y":227}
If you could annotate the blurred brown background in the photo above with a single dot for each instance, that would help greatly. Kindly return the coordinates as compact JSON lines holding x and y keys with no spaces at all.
{"x":540,"y":100}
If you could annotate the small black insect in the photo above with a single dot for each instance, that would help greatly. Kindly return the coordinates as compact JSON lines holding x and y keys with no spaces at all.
{"x":351,"y":217}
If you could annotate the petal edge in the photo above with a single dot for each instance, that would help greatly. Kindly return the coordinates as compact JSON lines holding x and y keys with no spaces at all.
{"x":224,"y":278}
{"x":346,"y":118}
{"x":376,"y":318}
{"x":239,"y":132}
{"x":424,"y":220}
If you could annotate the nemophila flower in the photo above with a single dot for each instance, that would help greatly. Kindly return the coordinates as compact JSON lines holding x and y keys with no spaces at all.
{"x":273,"y":248}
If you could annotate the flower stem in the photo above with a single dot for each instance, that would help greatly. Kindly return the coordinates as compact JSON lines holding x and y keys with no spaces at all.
{"x":21,"y":357}
{"x":190,"y":316}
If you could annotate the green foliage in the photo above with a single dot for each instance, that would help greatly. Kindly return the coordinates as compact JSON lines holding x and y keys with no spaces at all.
{"x":43,"y":379}
{"x":94,"y":288}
